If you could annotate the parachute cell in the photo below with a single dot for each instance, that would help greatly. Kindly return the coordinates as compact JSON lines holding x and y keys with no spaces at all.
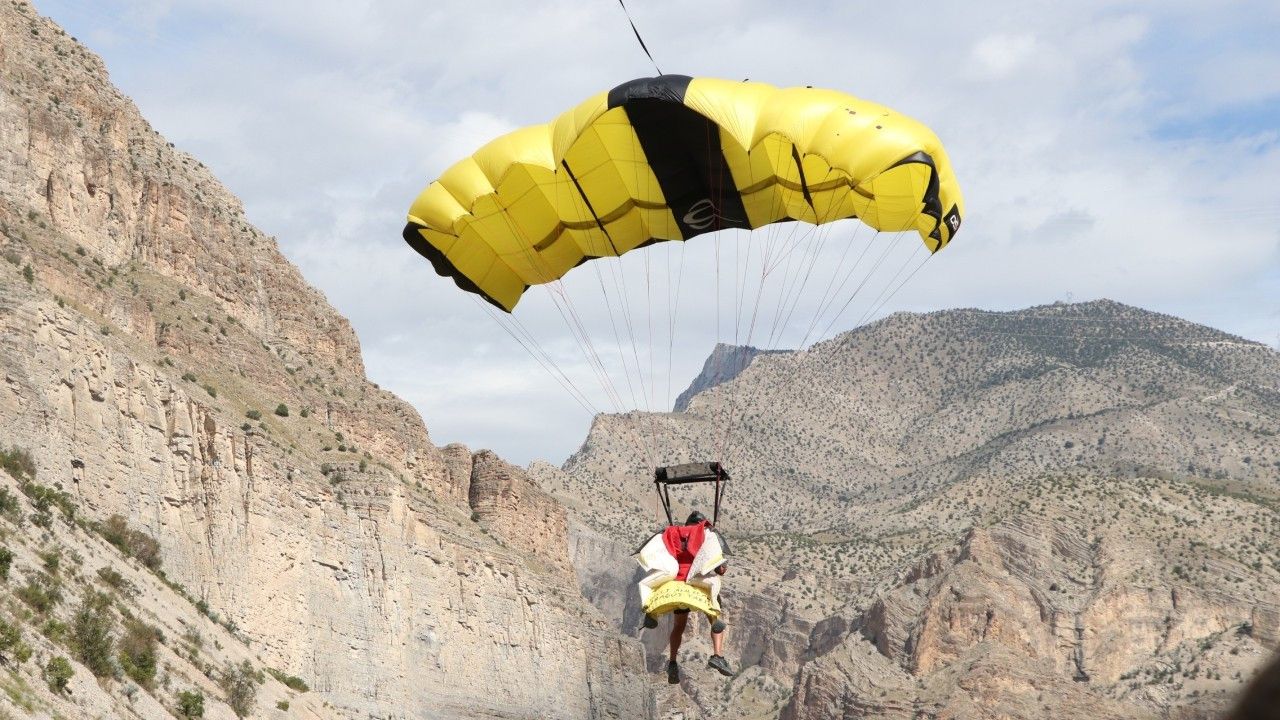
{"x":670,"y":158}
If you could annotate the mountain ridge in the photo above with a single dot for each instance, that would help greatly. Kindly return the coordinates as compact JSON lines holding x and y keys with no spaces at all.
{"x":987,"y":498}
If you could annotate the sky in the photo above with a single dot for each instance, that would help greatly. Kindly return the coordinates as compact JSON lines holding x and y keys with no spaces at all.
{"x":1126,"y":149}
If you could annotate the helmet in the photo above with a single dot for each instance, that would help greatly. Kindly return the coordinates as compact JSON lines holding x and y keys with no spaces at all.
{"x":695,"y":517}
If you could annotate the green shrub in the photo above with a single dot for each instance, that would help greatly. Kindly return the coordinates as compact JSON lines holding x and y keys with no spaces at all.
{"x":134,"y":543}
{"x":191,"y":704}
{"x":213,"y":391}
{"x":54,"y":629}
{"x":6,"y":561}
{"x":138,"y":651}
{"x":253,"y":415}
{"x":8,"y":504}
{"x":292,"y":682}
{"x":240,"y":683}
{"x":91,"y":633}
{"x":58,"y":672}
{"x":282,"y":410}
{"x":10,"y":636}
{"x":41,"y":593}
{"x":18,"y":463}
{"x":28,"y":274}
{"x":189,"y":376}
{"x":44,"y":498}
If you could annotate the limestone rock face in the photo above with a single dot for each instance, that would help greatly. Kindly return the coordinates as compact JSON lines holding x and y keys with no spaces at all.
{"x":163,"y":362}
{"x":1012,"y":622}
{"x":504,"y":496}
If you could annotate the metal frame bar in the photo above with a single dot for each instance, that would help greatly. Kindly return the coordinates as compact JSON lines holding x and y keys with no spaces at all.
{"x":665,"y":477}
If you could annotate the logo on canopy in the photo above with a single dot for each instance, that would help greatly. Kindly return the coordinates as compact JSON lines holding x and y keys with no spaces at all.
{"x":701,"y":215}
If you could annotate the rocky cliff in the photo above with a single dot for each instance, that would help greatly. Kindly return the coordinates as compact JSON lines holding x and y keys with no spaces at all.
{"x":725,"y":363}
{"x":164,"y":363}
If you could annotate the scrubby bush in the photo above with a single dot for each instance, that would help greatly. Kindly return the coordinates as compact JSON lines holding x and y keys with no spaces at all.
{"x":45,"y":498}
{"x":18,"y":463}
{"x":292,"y":682}
{"x":240,"y":683}
{"x":10,"y":636}
{"x":91,"y":633}
{"x":138,"y":651}
{"x":58,"y":672}
{"x":191,"y":704}
{"x":134,"y":543}
{"x":41,"y":593}
{"x":282,"y":410}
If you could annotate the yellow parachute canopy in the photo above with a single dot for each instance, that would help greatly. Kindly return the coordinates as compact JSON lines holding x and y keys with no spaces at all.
{"x":669,"y":158}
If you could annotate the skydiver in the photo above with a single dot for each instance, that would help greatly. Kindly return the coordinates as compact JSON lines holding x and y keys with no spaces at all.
{"x":680,"y":618}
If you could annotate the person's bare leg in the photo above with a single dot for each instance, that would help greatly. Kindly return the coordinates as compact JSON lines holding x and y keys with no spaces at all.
{"x":717,"y":660}
{"x":679,"y":620}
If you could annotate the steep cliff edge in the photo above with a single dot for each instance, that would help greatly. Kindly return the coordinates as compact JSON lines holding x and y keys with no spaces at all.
{"x":163,"y":362}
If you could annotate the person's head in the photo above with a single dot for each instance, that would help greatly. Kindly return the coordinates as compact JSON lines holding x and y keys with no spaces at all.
{"x":695,"y":517}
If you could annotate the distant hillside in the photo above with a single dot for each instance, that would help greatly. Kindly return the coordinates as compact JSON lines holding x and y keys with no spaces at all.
{"x":725,"y":363}
{"x":987,"y":501}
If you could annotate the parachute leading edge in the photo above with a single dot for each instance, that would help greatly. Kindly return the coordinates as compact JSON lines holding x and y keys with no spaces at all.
{"x":670,"y":158}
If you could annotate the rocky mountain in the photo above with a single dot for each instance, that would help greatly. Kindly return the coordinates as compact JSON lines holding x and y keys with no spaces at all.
{"x":725,"y":363}
{"x":176,"y":393}
{"x":1065,"y":511}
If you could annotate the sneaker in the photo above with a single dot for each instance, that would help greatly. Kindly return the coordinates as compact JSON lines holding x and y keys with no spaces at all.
{"x":718,"y":626}
{"x":720,"y":665}
{"x":650,"y":622}
{"x":673,"y":673}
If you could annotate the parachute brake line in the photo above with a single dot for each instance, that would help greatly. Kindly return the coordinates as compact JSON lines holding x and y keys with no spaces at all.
{"x":637,"y":32}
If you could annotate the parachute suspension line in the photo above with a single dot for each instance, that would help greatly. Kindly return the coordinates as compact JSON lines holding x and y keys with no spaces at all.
{"x":866,"y":278}
{"x":725,"y":436}
{"x":832,"y":289}
{"x":653,"y":380}
{"x":799,"y":282}
{"x":811,"y":234}
{"x":820,"y":234}
{"x":637,"y":32}
{"x":579,"y":331}
{"x":521,"y":335}
{"x":790,"y":285}
{"x":526,"y":339}
{"x":881,"y":299}
{"x":831,"y":296}
{"x":876,"y":309}
{"x":673,"y":304}
{"x":586,"y":343}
